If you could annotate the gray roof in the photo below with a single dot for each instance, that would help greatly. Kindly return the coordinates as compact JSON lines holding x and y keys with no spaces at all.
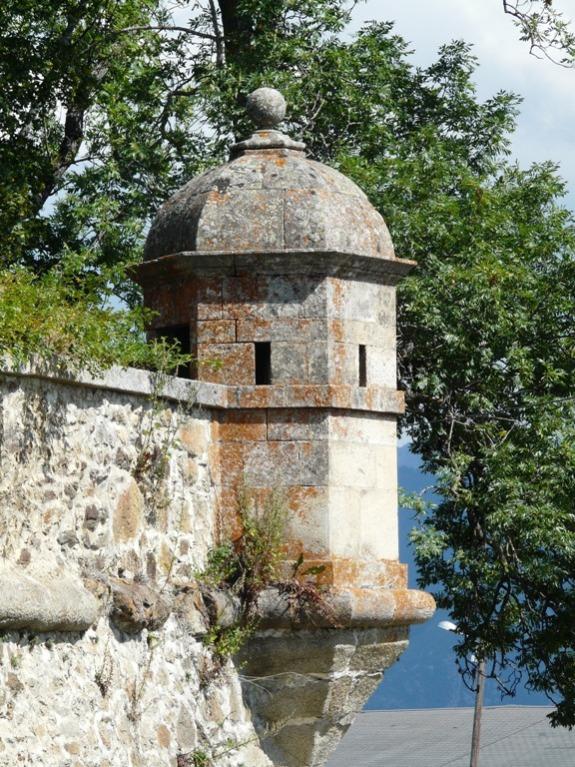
{"x":511,"y":736}
{"x":269,"y":198}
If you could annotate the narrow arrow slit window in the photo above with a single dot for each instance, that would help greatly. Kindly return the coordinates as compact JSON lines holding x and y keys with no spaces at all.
{"x":263,"y":363}
{"x":362,"y":365}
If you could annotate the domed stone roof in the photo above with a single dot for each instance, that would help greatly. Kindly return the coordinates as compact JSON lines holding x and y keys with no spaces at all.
{"x":269,"y":198}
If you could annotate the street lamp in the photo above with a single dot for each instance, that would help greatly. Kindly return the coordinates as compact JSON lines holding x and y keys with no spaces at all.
{"x":480,"y":688}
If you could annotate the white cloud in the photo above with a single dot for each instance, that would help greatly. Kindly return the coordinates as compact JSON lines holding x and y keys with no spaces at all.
{"x":545,"y":130}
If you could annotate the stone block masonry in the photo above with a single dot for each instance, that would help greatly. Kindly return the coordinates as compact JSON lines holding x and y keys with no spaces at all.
{"x":107,"y":509}
{"x":279,"y":277}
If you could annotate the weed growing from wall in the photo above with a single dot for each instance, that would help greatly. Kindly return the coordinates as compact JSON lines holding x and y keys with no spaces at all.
{"x":202,"y":757}
{"x":251,"y":561}
{"x":247,"y":565}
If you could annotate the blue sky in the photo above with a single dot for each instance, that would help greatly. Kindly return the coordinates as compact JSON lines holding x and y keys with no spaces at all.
{"x":426,"y":675}
{"x":545,"y":130}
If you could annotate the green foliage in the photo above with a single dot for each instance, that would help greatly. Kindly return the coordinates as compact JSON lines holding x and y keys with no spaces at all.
{"x":210,"y":757}
{"x":222,"y":567}
{"x":251,"y":561}
{"x":101,"y":122}
{"x":247,"y":565}
{"x":55,"y":321}
{"x":486,"y":342}
{"x":545,"y":28}
{"x":227,"y":641}
{"x":259,"y":549}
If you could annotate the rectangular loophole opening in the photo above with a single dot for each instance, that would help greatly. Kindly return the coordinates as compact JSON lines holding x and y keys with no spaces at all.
{"x":362,"y":365}
{"x":180,"y":334}
{"x":263,"y":363}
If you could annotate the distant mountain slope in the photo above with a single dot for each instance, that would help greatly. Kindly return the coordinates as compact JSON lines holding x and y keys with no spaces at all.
{"x":426,"y":675}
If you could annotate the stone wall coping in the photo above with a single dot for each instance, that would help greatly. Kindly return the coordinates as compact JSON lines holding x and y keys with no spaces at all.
{"x":375,"y":399}
{"x":132,"y":381}
{"x":334,"y":263}
{"x":142,"y":383}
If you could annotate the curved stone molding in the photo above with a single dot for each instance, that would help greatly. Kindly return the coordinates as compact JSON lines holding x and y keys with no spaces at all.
{"x":55,"y":602}
{"x":352,"y":608}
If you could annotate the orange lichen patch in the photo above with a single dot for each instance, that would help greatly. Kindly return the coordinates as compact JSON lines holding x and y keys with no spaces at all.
{"x":382,"y":573}
{"x":337,"y":302}
{"x":307,"y":449}
{"x":301,"y":498}
{"x":241,"y":426}
{"x":390,"y":574}
{"x":344,"y":572}
{"x":214,"y":462}
{"x":240,"y":294}
{"x":412,"y":606}
{"x":230,"y":526}
{"x":336,"y":330}
{"x":307,"y":395}
{"x":233,"y":456}
{"x":235,"y":363}
{"x":254,"y":330}
{"x":215,"y":331}
{"x":216,"y":197}
{"x":343,"y":367}
{"x":379,"y":399}
{"x":254,"y":396}
{"x":172,"y":306}
{"x":339,"y":573}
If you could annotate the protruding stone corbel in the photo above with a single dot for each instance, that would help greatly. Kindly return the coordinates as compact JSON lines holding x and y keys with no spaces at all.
{"x":45,"y":602}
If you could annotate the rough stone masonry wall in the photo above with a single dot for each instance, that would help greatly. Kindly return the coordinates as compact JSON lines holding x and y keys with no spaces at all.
{"x":111,"y":491}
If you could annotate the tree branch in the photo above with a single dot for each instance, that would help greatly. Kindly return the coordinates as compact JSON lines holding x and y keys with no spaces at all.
{"x":220,"y":51}
{"x":168,"y":28}
{"x":544,"y":30}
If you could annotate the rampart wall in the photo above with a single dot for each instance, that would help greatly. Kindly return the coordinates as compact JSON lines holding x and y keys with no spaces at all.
{"x":106,"y":512}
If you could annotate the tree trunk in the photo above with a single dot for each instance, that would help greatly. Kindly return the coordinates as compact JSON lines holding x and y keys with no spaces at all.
{"x":237,"y":30}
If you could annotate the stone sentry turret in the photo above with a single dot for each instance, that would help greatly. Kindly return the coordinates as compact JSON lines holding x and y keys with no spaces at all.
{"x":280,"y":268}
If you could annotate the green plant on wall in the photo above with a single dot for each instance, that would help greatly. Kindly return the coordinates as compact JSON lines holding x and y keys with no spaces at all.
{"x":202,"y":757}
{"x":246,"y":565}
{"x":227,"y":641}
{"x":251,"y":561}
{"x":57,"y":320}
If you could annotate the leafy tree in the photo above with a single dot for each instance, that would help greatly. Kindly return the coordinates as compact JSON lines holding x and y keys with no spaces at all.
{"x":486,"y":338}
{"x":486,"y":345}
{"x":545,"y":29}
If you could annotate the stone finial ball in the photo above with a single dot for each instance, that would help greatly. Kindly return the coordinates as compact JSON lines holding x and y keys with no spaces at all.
{"x":266,"y":107}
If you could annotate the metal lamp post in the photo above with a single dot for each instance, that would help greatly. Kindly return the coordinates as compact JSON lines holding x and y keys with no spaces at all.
{"x":480,"y":689}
